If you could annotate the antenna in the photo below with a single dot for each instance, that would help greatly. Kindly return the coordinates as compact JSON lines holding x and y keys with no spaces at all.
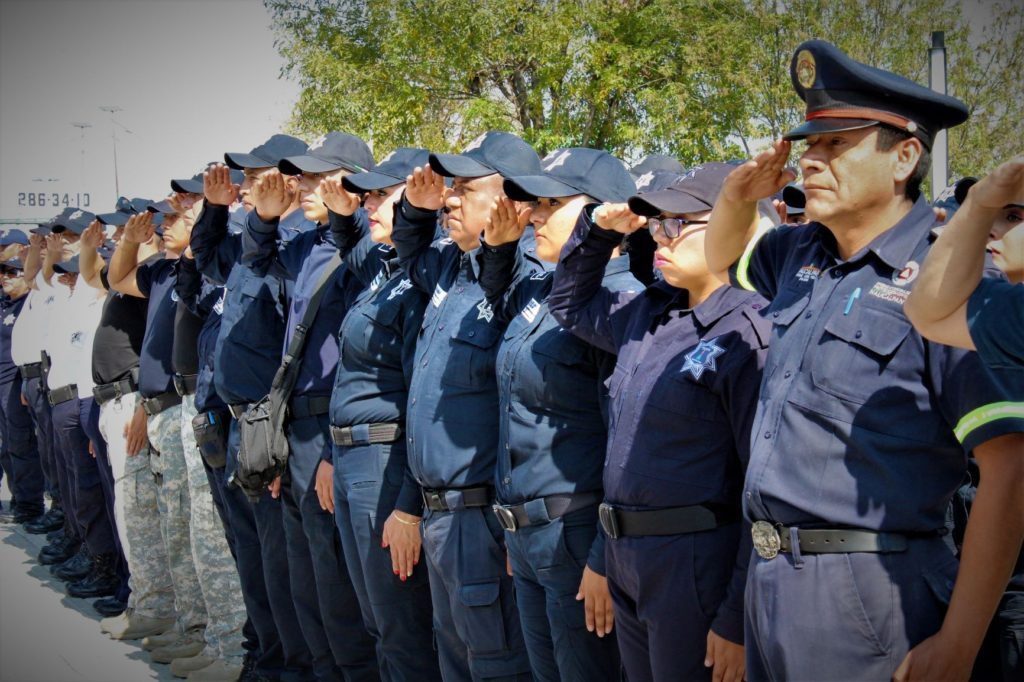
{"x":113,"y":109}
{"x":82,"y":126}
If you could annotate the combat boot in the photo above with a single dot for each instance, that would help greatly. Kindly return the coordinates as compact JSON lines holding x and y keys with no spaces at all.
{"x":102,"y":581}
{"x":183,"y":667}
{"x":189,"y":644}
{"x":218,"y":671}
{"x":75,"y":568}
{"x":131,"y":625}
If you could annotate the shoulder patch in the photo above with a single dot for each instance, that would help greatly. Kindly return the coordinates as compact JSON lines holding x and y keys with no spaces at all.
{"x":702,"y":358}
{"x":400,"y":289}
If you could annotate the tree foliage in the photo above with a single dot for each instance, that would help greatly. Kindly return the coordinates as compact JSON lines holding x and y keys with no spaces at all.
{"x":696,"y":79}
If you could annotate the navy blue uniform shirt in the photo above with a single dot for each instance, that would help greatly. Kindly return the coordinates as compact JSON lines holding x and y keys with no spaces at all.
{"x":683,"y":392}
{"x":995,"y":317}
{"x":205,"y":300}
{"x":377,"y":348}
{"x":452,"y":419}
{"x":303,"y":260}
{"x":9,"y":311}
{"x":861,"y":422}
{"x":155,"y":279}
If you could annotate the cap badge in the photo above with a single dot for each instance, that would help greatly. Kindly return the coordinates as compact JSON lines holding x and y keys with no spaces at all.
{"x":806,"y":68}
{"x":317,"y":143}
{"x":555,"y":160}
{"x":644,"y":180}
{"x":475,"y":144}
{"x":76,"y":215}
{"x":387,"y":158}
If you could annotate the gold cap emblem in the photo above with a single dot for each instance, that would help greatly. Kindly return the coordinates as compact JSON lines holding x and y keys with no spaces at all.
{"x":806,"y":68}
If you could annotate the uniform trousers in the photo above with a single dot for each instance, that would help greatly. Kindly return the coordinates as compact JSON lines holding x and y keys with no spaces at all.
{"x":42,"y":419}
{"x":399,"y":615}
{"x":20,"y":450}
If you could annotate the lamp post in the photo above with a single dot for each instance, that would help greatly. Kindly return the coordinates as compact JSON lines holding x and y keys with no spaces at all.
{"x":113,"y":138}
{"x":937,"y":82}
{"x":82,"y":126}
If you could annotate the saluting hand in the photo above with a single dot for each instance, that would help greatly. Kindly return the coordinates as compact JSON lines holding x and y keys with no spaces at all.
{"x":506,"y":223}
{"x":271,"y":196}
{"x":1004,"y":185}
{"x":139,"y":228}
{"x":425,"y":189}
{"x":54,"y":247}
{"x":217,"y":186}
{"x":726,"y":659}
{"x":401,"y":535}
{"x":337,"y":198}
{"x":93,"y":236}
{"x":761,"y":177}
{"x":619,"y":218}
{"x":597,"y":602}
{"x":35,"y":241}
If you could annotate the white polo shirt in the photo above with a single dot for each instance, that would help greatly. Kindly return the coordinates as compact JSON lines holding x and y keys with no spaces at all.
{"x":72,"y":327}
{"x":33,"y":325}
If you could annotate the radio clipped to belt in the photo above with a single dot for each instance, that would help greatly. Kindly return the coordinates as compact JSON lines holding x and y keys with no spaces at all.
{"x":211,"y":429}
{"x":263,"y":451}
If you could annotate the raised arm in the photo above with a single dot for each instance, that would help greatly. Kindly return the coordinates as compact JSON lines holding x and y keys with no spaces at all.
{"x":33,"y":259}
{"x":121,"y":275}
{"x":415,"y":225}
{"x":938,"y":304}
{"x":215,"y":250}
{"x":90,"y":264}
{"x":502,"y":264}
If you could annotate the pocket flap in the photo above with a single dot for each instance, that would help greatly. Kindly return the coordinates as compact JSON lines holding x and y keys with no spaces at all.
{"x":561,"y":346}
{"x":256,"y":287}
{"x":479,"y":594}
{"x":879,"y":331}
{"x":787,"y":306}
{"x":479,"y":335}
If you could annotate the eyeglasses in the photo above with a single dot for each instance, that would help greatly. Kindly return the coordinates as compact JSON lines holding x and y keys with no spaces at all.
{"x":670,"y":227}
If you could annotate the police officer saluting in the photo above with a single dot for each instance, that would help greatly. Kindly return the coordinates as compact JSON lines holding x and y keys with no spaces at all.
{"x":553,"y":420}
{"x":453,"y":407}
{"x":690,"y":352}
{"x":863,"y":427}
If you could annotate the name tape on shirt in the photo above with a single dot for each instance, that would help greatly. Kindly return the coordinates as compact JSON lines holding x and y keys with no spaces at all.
{"x":375,"y":284}
{"x":808,"y":273}
{"x":439,"y":295}
{"x":531,"y":310}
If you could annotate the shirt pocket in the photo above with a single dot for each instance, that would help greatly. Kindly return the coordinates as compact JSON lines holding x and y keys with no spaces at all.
{"x":689,"y":400}
{"x":568,"y":377}
{"x":379,"y":336}
{"x":857,"y":355}
{"x":470,"y":363}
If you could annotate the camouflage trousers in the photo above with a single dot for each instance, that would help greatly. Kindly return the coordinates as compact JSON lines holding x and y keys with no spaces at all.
{"x":215,"y":567}
{"x":137,"y":515}
{"x":167,"y":459}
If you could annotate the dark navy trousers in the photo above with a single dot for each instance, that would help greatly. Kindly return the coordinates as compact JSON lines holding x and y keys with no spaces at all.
{"x":91,"y":424}
{"x":666,"y":591}
{"x":20,"y":451}
{"x":367,"y":480}
{"x":548,"y":562}
{"x":844,"y":616}
{"x":259,"y":541}
{"x":83,"y":477}
{"x":475,"y":618}
{"x":325,"y":599}
{"x":42,"y":420}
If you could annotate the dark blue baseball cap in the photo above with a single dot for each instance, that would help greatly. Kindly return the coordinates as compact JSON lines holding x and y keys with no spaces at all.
{"x":844,"y":94}
{"x":656,"y":162}
{"x":268,"y":154}
{"x":194,"y":185}
{"x":694,"y":192}
{"x":331,"y":152}
{"x":76,"y":221}
{"x":47,"y":227}
{"x":123,"y":210}
{"x":13,"y":264}
{"x":13,"y":236}
{"x":493,"y":152}
{"x":69,"y":266}
{"x":578,"y":170}
{"x":652,"y":181}
{"x":391,"y":171}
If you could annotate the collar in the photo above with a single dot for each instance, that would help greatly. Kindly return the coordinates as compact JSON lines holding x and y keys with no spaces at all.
{"x":895,"y":246}
{"x":295,"y":221}
{"x":392,"y":265}
{"x":473,"y":258}
{"x":720,"y":303}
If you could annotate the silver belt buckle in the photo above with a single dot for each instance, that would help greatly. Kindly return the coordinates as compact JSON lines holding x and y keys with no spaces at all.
{"x":767,"y":542}
{"x":505,"y":517}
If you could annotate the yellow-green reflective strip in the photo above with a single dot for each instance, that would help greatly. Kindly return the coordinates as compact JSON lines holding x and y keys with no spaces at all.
{"x":743,"y":267}
{"x":986,"y":414}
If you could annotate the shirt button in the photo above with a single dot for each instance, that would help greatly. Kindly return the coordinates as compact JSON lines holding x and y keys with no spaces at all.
{"x":837,"y":273}
{"x":858,"y":334}
{"x":440,"y":327}
{"x":472,"y":334}
{"x":787,"y":375}
{"x":750,"y":495}
{"x":412,"y":400}
{"x":775,"y":314}
{"x":507,"y":480}
{"x":424,"y":364}
{"x":458,"y":290}
{"x":767,"y":435}
{"x":807,"y":315}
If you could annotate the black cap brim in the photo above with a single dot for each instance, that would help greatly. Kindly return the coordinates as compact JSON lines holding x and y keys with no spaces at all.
{"x":297,"y":165}
{"x":163,"y":206}
{"x":459,"y":166}
{"x":116,"y":218}
{"x":369,"y":181}
{"x":187,"y":186}
{"x":529,"y":187}
{"x":41,"y":230}
{"x":243,"y":160}
{"x":666,"y":201}
{"x":70,"y":267}
{"x":819,"y":126}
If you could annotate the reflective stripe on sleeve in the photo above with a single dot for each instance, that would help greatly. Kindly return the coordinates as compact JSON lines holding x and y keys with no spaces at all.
{"x":986,"y":414}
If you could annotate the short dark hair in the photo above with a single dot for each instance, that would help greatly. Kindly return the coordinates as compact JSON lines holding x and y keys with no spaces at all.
{"x":888,"y":137}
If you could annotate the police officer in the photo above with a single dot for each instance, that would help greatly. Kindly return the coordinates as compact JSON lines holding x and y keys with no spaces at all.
{"x":17,"y":435}
{"x":552,"y":426}
{"x":372,"y":480}
{"x":689,"y":356}
{"x":154,"y":280}
{"x":452,"y":415}
{"x":246,"y":356}
{"x":863,"y":427}
{"x":329,"y":612}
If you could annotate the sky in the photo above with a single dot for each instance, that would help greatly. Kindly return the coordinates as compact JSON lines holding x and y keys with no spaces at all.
{"x":194,"y":79}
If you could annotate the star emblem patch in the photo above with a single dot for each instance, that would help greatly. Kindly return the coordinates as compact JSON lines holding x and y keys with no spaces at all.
{"x":400,"y":289}
{"x":9,"y":320}
{"x":702,"y":358}
{"x":484,"y":311}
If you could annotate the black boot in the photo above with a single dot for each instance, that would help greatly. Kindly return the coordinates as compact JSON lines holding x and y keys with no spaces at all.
{"x":108,"y":607}
{"x":101,"y":581}
{"x":75,"y":568}
{"x":59,"y":551}
{"x":44,"y":524}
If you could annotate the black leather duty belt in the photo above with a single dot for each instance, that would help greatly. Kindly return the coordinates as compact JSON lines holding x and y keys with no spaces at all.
{"x":453,"y":499}
{"x":116,"y":389}
{"x":62,"y":394}
{"x":184,"y":384}
{"x":159,"y":403}
{"x":542,"y":510}
{"x":365,"y":434}
{"x":32,"y":370}
{"x":303,"y":406}
{"x":620,"y":523}
{"x":771,"y":539}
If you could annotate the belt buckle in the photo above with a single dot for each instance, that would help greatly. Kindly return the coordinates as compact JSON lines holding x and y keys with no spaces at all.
{"x":767,"y":542}
{"x":179,"y":384}
{"x":609,"y":520}
{"x":433,"y":501}
{"x":505,"y":517}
